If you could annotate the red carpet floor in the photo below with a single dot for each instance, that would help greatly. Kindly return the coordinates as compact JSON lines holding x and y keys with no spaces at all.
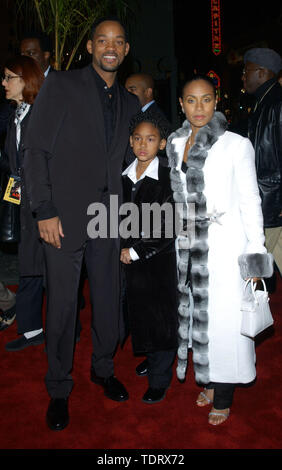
{"x":175,"y":423}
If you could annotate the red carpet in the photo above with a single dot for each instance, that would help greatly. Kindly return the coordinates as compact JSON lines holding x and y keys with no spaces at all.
{"x":99,"y":423}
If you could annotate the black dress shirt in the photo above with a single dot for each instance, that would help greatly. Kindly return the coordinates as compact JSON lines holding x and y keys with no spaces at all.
{"x":108,"y":97}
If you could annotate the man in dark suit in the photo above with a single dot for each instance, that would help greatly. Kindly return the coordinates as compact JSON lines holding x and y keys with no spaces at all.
{"x":142,"y":85}
{"x":77,"y":139}
{"x":38,"y":46}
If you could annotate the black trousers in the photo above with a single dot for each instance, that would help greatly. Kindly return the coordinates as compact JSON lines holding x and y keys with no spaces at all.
{"x":160,"y":368}
{"x":63,"y":275}
{"x":223,"y":394}
{"x":29,"y":300}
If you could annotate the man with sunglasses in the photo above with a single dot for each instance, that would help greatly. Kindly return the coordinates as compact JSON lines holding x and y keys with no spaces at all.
{"x":262,"y":66}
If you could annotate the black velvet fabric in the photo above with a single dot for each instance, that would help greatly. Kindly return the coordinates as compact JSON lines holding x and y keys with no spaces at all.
{"x":151,"y":281}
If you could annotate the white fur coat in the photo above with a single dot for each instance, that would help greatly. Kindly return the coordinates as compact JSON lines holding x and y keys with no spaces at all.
{"x":221,"y":182}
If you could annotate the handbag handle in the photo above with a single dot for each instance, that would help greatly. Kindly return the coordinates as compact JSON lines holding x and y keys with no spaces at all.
{"x":253,"y":287}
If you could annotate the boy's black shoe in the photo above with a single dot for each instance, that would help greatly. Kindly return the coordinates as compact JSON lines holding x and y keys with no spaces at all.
{"x":142,"y":368}
{"x":22,"y":342}
{"x":57,"y":414}
{"x":154,"y":395}
{"x":7,"y":318}
{"x":113,"y":388}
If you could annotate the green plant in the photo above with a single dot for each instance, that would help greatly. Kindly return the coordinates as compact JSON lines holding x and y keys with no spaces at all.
{"x":69,"y":21}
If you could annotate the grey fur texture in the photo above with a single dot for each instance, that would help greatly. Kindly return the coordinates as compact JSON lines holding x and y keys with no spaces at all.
{"x":256,"y":265}
{"x":193,"y":302}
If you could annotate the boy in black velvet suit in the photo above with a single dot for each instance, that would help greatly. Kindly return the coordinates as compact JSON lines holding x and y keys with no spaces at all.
{"x":149,"y":258}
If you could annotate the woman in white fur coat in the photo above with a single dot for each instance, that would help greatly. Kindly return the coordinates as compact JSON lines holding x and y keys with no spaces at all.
{"x":214,"y":170}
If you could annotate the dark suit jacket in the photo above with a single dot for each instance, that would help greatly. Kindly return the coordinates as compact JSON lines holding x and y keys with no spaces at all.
{"x":154,"y":108}
{"x":151,"y":281}
{"x":29,"y":248}
{"x":66,"y":162}
{"x":6,"y":110}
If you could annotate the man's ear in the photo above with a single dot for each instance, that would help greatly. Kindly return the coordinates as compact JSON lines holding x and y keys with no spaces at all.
{"x":149,"y":93}
{"x":47,"y":55}
{"x":89,"y":46}
{"x":162,"y":144}
{"x":127,"y":47}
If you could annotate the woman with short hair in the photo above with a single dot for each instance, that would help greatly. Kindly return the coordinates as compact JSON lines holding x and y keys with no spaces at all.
{"x":22,"y":81}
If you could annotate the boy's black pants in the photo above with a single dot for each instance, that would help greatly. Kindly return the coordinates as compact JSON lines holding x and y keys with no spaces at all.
{"x":160,"y":368}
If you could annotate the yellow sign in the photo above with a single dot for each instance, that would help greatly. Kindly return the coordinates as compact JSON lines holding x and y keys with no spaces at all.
{"x":13,"y":191}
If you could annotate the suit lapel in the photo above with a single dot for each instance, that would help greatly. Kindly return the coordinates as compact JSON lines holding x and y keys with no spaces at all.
{"x":96,"y":111}
{"x":127,"y":188}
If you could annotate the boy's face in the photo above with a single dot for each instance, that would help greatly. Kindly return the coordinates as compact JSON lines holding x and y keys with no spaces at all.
{"x":146,"y":142}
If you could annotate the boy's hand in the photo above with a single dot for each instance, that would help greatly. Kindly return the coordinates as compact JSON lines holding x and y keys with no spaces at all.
{"x":125,"y":256}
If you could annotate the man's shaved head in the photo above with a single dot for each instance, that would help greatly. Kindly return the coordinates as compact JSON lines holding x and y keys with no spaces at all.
{"x":141,"y":85}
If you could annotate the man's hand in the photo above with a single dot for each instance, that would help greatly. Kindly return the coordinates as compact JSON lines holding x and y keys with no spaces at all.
{"x":51,"y":230}
{"x":125,"y":256}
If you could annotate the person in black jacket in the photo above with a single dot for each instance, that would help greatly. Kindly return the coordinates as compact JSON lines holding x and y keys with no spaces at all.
{"x":75,"y":146}
{"x":142,"y":85}
{"x":22,"y":80}
{"x":149,"y":256}
{"x":262,"y":66}
{"x":38,"y":46}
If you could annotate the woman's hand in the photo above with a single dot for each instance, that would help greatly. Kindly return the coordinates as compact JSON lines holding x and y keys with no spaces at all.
{"x":255,"y":280}
{"x":125,"y":256}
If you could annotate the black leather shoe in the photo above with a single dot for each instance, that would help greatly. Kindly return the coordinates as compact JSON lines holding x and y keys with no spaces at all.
{"x":7,"y":318}
{"x":154,"y":395}
{"x":113,"y":388}
{"x":57,"y":414}
{"x":22,"y":342}
{"x":142,"y":368}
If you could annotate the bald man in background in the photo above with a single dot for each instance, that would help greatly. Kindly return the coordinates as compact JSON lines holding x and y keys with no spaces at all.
{"x":142,"y":85}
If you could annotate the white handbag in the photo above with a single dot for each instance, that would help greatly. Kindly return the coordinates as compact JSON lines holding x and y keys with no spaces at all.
{"x":256,"y":314}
